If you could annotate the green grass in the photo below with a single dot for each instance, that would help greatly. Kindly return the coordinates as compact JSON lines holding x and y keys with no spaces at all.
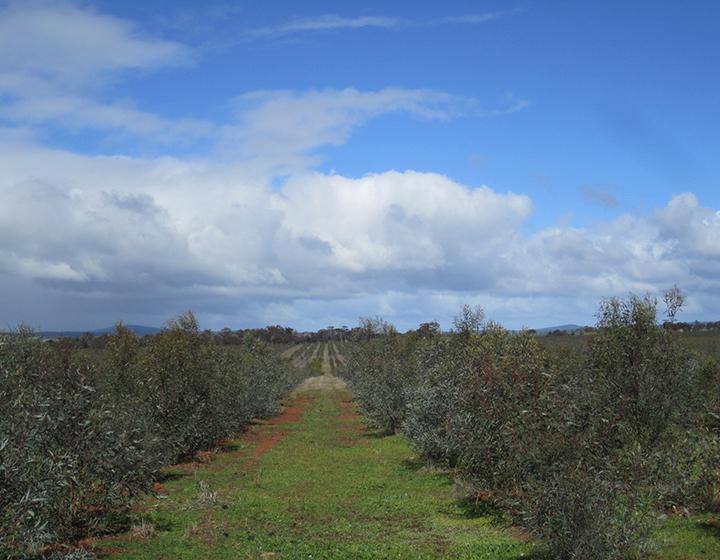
{"x":688,"y":539}
{"x":329,"y":489}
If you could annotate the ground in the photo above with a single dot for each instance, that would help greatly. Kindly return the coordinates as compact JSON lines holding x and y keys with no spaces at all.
{"x":316,"y":483}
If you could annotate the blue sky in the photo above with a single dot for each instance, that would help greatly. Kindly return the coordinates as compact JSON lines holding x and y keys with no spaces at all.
{"x":308,"y":163}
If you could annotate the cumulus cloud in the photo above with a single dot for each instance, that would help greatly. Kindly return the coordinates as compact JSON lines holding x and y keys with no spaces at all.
{"x":173,"y":233}
{"x":100,"y":216}
{"x":399,"y":221}
{"x":674,"y":244}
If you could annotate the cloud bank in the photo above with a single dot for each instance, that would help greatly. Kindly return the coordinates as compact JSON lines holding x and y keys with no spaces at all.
{"x":167,"y":233}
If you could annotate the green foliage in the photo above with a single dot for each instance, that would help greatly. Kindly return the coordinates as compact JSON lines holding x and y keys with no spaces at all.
{"x":380,"y":372}
{"x":626,"y":422}
{"x":584,"y":449}
{"x":471,"y":408}
{"x":314,"y":366}
{"x":80,"y":437}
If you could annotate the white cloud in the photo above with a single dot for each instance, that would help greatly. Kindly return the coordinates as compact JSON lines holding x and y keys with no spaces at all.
{"x":398,"y":221}
{"x":335,"y":22}
{"x":326,"y":22}
{"x":284,"y":127}
{"x":67,"y":47}
{"x":678,"y":243}
{"x":168,"y":233}
{"x":56,"y":58}
{"x":77,"y":113}
{"x":468,"y":18}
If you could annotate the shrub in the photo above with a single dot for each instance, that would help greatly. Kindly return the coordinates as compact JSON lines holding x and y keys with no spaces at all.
{"x":380,"y":371}
{"x":614,"y":435}
{"x":628,"y":437}
{"x":473,"y":407}
{"x":80,"y":437}
{"x":584,"y":449}
{"x":65,"y":448}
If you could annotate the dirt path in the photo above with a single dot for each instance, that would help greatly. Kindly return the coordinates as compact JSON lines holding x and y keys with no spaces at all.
{"x":323,"y":382}
{"x":326,"y":366}
{"x":290,"y":351}
{"x":338,"y":356}
{"x":313,"y":482}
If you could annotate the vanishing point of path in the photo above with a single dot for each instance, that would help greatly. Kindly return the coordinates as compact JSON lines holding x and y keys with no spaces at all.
{"x":312,"y":483}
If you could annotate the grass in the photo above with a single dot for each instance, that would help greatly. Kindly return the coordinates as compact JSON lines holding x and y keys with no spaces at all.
{"x":688,"y":538}
{"x":319,"y":485}
{"x":327,"y":489}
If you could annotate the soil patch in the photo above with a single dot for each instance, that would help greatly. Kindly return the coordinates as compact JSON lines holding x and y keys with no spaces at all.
{"x":265,"y":440}
{"x":349,"y":427}
{"x":264,"y":443}
{"x":290,"y":413}
{"x":348,"y":411}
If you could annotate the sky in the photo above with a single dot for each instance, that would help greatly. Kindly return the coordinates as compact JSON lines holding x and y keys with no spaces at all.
{"x":307,"y":164}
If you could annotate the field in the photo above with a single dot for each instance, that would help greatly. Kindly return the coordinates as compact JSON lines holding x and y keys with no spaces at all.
{"x":705,"y":342}
{"x":481,"y":443}
{"x":321,"y":357}
{"x":314,"y":483}
{"x":317,"y":482}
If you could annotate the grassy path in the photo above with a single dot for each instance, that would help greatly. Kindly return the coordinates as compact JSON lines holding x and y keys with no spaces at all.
{"x":313,"y":484}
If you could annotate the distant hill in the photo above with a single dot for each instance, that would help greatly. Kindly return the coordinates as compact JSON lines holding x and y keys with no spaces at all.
{"x":139,"y":330}
{"x":563,"y":328}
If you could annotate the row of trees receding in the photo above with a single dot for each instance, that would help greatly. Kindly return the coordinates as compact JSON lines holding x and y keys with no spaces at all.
{"x":82,"y":433}
{"x":584,"y":449}
{"x":275,"y":334}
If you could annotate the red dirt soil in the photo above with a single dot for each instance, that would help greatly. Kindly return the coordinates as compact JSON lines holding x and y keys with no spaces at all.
{"x":290,"y":413}
{"x":265,"y":440}
{"x":349,"y":431}
{"x":348,"y":411}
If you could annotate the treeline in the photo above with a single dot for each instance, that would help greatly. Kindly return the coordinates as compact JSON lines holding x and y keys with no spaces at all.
{"x":695,"y":326}
{"x":284,"y":335}
{"x":585,"y":450}
{"x":81,"y":434}
{"x":276,"y":334}
{"x":675,"y":326}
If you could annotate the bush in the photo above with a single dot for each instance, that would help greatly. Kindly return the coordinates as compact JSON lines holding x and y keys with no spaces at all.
{"x":66,"y":449}
{"x":81,"y":437}
{"x":381,"y":372}
{"x":584,"y":449}
{"x":473,"y":407}
{"x":633,"y":424}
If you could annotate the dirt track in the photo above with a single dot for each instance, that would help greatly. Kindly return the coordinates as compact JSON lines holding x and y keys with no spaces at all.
{"x":321,"y":382}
